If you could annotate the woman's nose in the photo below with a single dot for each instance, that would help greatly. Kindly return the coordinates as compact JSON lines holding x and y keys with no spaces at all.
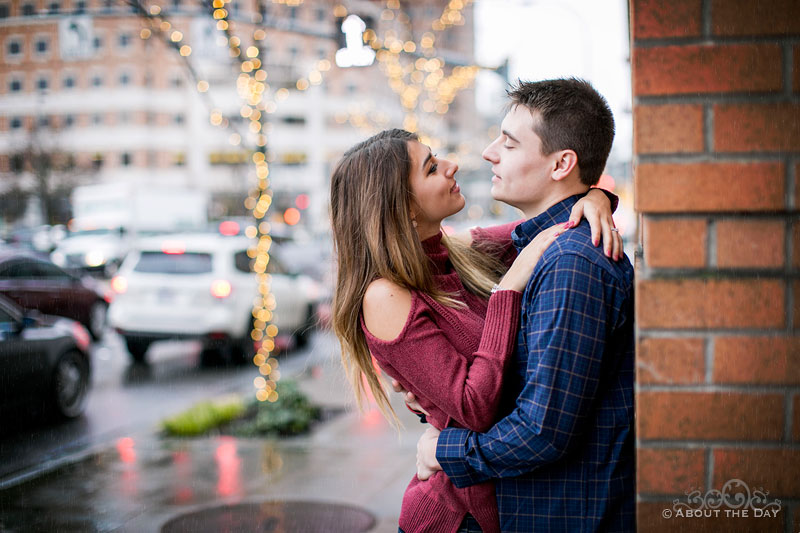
{"x":451,"y":171}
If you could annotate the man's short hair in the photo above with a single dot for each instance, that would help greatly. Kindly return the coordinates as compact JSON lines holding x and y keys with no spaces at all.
{"x":569,"y":114}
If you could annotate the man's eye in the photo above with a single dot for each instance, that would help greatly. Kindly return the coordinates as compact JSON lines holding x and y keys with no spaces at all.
{"x":507,"y":147}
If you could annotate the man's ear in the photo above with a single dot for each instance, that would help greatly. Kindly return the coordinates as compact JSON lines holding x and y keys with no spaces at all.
{"x":567,"y":162}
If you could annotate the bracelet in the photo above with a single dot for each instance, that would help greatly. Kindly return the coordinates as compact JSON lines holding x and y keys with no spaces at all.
{"x":497,"y":287}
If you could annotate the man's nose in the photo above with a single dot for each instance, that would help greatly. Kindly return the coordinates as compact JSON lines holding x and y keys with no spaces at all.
{"x":490,"y":154}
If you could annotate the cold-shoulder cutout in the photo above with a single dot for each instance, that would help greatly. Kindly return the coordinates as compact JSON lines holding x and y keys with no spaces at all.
{"x":386,"y":306}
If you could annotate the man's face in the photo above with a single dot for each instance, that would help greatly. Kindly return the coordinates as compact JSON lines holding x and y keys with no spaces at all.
{"x":522,"y":174}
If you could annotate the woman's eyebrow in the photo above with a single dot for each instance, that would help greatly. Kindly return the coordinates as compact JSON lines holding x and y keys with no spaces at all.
{"x":427,"y":159}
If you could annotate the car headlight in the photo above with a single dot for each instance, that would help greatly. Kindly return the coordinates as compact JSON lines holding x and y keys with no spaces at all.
{"x":58,"y":258}
{"x":94,"y":258}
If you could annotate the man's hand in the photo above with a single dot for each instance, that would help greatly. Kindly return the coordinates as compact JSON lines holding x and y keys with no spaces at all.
{"x":427,"y":465}
{"x":410,"y":399}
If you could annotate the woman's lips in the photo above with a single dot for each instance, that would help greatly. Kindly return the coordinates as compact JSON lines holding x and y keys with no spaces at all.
{"x":455,"y":188}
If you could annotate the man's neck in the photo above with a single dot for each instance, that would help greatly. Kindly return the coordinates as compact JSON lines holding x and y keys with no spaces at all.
{"x":555,"y":196}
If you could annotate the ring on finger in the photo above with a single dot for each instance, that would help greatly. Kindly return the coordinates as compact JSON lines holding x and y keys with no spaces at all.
{"x":615,"y":230}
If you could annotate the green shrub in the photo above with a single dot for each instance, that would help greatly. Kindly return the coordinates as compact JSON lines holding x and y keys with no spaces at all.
{"x":291,"y":414}
{"x":204,"y":416}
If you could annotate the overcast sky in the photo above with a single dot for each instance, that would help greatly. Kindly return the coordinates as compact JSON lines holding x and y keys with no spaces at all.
{"x":554,"y":38}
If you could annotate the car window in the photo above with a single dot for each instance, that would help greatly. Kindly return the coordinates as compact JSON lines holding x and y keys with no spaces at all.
{"x":46,"y":270}
{"x":20,"y":268}
{"x":162,"y":263}
{"x":275,"y":266}
{"x":242,"y":262}
{"x":5,"y":317}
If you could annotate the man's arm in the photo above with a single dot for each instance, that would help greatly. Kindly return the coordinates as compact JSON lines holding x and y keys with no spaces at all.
{"x":566,"y":330}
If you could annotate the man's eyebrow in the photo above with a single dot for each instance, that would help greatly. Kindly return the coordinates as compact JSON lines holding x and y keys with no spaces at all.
{"x":507,"y":134}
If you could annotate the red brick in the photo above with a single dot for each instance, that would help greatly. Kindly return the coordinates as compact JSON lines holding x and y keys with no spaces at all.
{"x":709,"y":187}
{"x":773,"y":469}
{"x":796,"y":244}
{"x":675,"y":242}
{"x":796,"y":418}
{"x":668,"y":70}
{"x":700,"y":304}
{"x":757,"y":127}
{"x":751,"y":243}
{"x":746,"y":17}
{"x":669,"y":471}
{"x":668,"y":129}
{"x":796,"y":305}
{"x":670,"y":361}
{"x":709,"y":416}
{"x":757,"y":360}
{"x":650,"y":519}
{"x":796,"y":68}
{"x":657,"y":19}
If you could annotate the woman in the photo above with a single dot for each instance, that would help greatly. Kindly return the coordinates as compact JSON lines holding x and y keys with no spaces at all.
{"x":428,"y":308}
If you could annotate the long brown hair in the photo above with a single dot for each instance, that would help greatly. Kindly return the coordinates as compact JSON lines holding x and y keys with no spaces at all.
{"x":374,"y":238}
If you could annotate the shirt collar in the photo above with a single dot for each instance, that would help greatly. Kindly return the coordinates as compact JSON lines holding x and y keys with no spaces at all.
{"x":556,"y":214}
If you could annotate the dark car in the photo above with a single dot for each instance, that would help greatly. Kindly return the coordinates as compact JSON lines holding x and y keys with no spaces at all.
{"x":36,"y":283}
{"x":44,"y":363}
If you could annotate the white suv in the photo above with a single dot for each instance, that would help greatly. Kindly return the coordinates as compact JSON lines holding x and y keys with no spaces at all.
{"x":200,"y":286}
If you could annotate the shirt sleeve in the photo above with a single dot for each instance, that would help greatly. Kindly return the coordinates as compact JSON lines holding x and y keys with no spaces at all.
{"x":565,"y":335}
{"x":448,"y":384}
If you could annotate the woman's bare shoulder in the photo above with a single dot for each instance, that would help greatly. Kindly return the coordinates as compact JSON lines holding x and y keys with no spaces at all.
{"x":386,"y":306}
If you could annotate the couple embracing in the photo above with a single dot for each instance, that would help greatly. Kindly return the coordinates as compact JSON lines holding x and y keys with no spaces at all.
{"x":514,"y":342}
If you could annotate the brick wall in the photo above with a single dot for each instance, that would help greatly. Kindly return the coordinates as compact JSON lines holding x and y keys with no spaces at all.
{"x":716,"y":87}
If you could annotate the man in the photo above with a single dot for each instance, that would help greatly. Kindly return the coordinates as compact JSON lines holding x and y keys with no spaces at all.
{"x":563,"y":455}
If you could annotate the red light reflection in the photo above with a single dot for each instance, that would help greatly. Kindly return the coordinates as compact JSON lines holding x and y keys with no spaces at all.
{"x":228,"y":466}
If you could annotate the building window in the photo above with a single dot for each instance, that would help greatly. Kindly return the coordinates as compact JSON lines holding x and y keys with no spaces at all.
{"x":176,"y":4}
{"x":68,"y":82}
{"x":28,"y":10}
{"x":44,"y":121}
{"x":41,"y":46}
{"x":124,"y":79}
{"x":97,"y":119}
{"x":321,"y":15}
{"x":97,"y":42}
{"x":5,"y":12}
{"x":322,"y":53}
{"x":69,"y":121}
{"x":124,"y":40}
{"x":124,"y":117}
{"x":14,"y":47}
{"x":125,"y":159}
{"x":97,"y":80}
{"x":176,"y":82}
{"x":54,"y":8}
{"x":179,"y":119}
{"x":97,"y":161}
{"x":179,"y":159}
{"x":293,"y":13}
{"x":108,"y":5}
{"x":42,"y":84}
{"x":80,"y":7}
{"x":15,"y":123}
{"x":15,"y":85}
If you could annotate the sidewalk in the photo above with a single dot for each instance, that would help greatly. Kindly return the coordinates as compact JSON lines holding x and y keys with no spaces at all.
{"x":142,"y":482}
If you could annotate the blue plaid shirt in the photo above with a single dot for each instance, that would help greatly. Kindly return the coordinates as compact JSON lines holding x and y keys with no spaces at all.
{"x":563,"y":455}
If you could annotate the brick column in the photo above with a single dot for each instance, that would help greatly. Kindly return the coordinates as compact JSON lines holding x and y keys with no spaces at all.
{"x":716,"y":87}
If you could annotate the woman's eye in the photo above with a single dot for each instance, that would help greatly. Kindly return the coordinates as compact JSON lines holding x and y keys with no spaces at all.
{"x":433,"y":168}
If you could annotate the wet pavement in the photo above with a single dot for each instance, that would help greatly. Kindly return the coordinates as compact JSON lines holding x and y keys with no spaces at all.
{"x":347,"y":475}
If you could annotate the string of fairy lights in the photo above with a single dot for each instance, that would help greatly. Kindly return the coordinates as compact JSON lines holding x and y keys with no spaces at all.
{"x":413,"y":70}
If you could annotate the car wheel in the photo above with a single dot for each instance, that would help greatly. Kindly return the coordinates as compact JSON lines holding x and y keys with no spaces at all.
{"x":137,"y":348}
{"x":97,"y":320}
{"x":70,"y":385}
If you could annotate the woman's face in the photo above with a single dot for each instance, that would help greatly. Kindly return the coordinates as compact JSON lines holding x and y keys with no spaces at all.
{"x":435,"y":193}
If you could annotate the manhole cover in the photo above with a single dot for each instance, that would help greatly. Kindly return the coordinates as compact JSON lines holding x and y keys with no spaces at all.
{"x":274,"y":517}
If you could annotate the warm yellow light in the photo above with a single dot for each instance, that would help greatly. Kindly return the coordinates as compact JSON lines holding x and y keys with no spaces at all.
{"x":260,"y":382}
{"x":302,"y":84}
{"x":222,"y":25}
{"x":145,"y":33}
{"x":339,"y":11}
{"x":235,"y":139}
{"x":252,"y":51}
{"x":247,"y":66}
{"x":155,"y":10}
{"x":220,"y":14}
{"x":202,"y":86}
{"x":186,"y":50}
{"x":259,"y":35}
{"x":176,"y":36}
{"x":260,"y":75}
{"x":272,"y":330}
{"x":323,"y":65}
{"x":216,"y":118}
{"x":262,"y":395}
{"x":251,"y":232}
{"x":165,"y":25}
{"x":272,"y":397}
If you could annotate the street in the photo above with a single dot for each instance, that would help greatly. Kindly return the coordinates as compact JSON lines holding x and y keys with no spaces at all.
{"x":127,"y":398}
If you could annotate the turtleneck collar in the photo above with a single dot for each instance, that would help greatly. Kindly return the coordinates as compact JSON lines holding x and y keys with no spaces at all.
{"x":437,"y":253}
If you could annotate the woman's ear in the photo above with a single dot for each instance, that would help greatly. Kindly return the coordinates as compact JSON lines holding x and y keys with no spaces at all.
{"x":567,"y":162}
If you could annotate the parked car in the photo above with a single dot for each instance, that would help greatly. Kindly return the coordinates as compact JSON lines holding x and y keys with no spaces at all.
{"x":36,"y":283}
{"x":44,"y":362}
{"x":201,"y":286}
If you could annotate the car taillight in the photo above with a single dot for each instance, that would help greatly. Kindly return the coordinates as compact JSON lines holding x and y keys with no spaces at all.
{"x":173,"y":247}
{"x":220,"y":288}
{"x":119,"y":284}
{"x":81,"y":336}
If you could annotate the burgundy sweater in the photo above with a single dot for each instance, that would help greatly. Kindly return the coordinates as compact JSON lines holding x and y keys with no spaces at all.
{"x":453,"y":360}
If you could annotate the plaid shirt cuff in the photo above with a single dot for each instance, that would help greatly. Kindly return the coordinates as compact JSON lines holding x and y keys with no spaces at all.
{"x":451,"y":454}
